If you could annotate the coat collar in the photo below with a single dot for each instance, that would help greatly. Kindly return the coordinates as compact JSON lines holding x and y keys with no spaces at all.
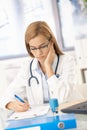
{"x":35,"y":64}
{"x":55,"y":63}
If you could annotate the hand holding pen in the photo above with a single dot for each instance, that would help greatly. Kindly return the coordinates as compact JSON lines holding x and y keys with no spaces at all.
{"x":20,"y":99}
{"x":19,"y":105}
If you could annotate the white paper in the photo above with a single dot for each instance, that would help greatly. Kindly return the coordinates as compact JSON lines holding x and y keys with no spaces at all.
{"x":33,"y":128}
{"x":33,"y":112}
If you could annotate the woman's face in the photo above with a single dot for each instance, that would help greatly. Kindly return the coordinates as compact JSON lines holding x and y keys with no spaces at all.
{"x":39,"y":47}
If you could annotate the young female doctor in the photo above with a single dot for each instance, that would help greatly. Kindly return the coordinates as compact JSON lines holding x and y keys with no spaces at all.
{"x":49,"y":73}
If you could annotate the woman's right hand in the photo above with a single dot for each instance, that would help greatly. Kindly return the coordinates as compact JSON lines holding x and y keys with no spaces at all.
{"x":18,"y":106}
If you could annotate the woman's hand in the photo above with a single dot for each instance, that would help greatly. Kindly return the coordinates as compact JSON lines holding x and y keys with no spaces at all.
{"x":50,"y":57}
{"x":49,"y":60}
{"x":18,"y":106}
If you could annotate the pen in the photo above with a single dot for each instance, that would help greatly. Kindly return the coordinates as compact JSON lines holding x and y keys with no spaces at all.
{"x":17,"y":97}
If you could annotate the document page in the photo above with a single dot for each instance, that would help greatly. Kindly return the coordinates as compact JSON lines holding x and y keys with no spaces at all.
{"x":32,"y":112}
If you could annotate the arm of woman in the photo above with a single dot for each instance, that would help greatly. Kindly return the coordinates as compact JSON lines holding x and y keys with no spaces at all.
{"x":17,"y":106}
{"x":62,"y":87}
{"x":48,"y":62}
{"x":18,"y":86}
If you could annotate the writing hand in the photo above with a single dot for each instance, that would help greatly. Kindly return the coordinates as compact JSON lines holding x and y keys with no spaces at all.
{"x":18,"y":106}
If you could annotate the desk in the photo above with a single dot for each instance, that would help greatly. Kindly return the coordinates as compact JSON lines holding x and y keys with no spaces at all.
{"x":65,"y":121}
{"x":81,"y":121}
{"x":81,"y":118}
{"x":44,"y":121}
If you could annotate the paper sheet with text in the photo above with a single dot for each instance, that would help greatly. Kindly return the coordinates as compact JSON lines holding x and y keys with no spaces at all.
{"x":33,"y":112}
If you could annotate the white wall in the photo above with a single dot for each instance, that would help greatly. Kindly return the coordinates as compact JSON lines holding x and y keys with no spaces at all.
{"x":81,"y":57}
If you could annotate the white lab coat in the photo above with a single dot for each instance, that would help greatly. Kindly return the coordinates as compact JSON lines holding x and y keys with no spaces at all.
{"x":61,"y":88}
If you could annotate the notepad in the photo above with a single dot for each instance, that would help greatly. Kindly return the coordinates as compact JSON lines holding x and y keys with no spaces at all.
{"x":33,"y":112}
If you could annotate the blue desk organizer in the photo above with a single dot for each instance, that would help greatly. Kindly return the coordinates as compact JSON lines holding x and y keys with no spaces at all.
{"x":62,"y":122}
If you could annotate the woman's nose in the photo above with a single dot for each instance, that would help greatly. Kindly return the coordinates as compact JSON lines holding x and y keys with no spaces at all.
{"x":38,"y":51}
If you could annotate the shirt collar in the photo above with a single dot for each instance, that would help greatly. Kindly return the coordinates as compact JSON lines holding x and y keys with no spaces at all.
{"x":35,"y":64}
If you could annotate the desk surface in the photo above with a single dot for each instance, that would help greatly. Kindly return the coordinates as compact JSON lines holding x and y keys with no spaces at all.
{"x":45,"y":122}
{"x":81,"y":118}
{"x":81,"y":122}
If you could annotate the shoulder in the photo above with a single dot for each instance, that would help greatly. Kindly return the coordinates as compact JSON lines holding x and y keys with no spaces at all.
{"x":25,"y":65}
{"x":26,"y":62}
{"x":67,"y":57}
{"x":67,"y":60}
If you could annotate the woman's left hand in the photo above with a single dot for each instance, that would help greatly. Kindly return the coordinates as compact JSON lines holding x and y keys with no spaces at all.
{"x":48,"y":61}
{"x":50,"y":57}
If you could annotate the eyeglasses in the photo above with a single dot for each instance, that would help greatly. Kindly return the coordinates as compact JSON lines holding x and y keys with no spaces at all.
{"x":42,"y":47}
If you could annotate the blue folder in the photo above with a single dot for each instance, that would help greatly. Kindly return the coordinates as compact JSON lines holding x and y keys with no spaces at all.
{"x":65,"y":121}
